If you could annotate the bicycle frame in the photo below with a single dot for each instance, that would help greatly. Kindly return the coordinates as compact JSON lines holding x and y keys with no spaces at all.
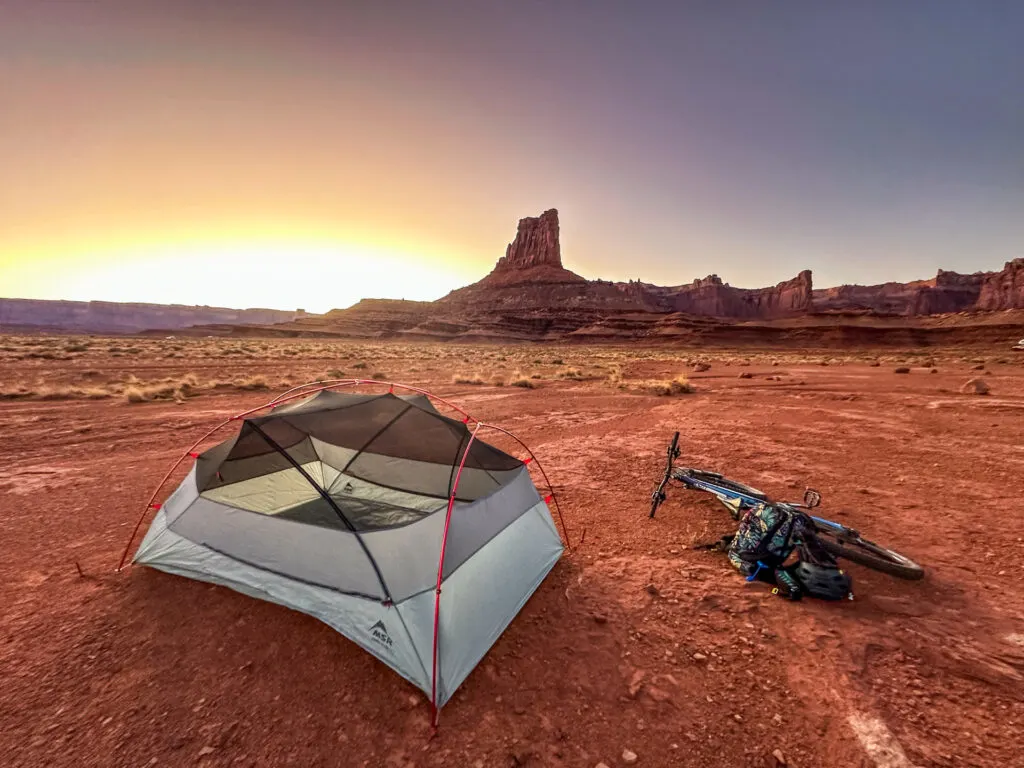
{"x":748,"y":502}
{"x":726,"y":494}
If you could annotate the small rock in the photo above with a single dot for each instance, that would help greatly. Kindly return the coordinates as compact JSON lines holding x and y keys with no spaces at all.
{"x":777,"y":719}
{"x":207,"y":750}
{"x":874,"y":364}
{"x":934,"y":370}
{"x":901,"y":369}
{"x":601,"y":765}
{"x":978,"y":368}
{"x":651,"y":590}
{"x":746,"y":375}
{"x":699,"y":656}
{"x":975,"y":387}
{"x":701,"y":367}
{"x":780,"y":759}
{"x":629,"y":757}
{"x":657,"y":694}
{"x":600,"y":618}
{"x":738,"y":717}
{"x":636,"y":682}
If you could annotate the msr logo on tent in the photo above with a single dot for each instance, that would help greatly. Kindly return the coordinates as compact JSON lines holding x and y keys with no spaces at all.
{"x":380,"y":633}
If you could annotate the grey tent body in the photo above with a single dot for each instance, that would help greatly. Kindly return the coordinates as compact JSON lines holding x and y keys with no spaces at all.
{"x":336,"y":506}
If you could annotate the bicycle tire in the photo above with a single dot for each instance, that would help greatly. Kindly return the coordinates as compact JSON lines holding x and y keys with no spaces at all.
{"x":723,"y":482}
{"x":865,"y":552}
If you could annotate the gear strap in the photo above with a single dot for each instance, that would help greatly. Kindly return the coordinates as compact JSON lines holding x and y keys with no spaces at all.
{"x":721,"y":545}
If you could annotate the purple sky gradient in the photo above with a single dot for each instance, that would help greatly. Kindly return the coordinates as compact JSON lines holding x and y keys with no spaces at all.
{"x":868,"y":141}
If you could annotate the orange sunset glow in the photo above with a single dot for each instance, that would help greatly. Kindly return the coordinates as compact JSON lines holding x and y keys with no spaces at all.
{"x":223,"y":153}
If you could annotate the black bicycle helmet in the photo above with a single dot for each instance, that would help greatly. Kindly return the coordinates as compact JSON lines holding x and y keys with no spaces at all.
{"x":824,"y":582}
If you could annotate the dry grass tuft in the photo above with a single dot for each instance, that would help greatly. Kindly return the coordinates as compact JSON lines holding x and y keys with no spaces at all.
{"x":461,"y":378}
{"x":680,"y":385}
{"x":253,"y":383}
{"x":134,"y":395}
{"x":573,"y":374}
{"x":519,"y":380}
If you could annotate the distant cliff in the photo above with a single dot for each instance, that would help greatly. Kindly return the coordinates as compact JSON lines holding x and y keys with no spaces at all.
{"x":711,"y":297}
{"x":944,"y":293}
{"x":113,"y":317}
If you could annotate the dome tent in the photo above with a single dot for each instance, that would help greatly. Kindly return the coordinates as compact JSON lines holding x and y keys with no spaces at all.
{"x":392,"y":523}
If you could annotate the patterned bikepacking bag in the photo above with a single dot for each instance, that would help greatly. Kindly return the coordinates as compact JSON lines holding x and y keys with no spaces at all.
{"x":766,"y":535}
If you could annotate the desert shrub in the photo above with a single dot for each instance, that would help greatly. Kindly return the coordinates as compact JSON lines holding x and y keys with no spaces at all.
{"x":379,"y":376}
{"x":76,"y":347}
{"x":558,"y":361}
{"x":680,"y":385}
{"x":571,"y":373}
{"x":519,"y":380}
{"x":901,"y":369}
{"x":335,"y":373}
{"x":134,"y":395}
{"x":252,"y":383}
{"x":461,"y":378}
{"x":360,"y":366}
{"x":498,"y":381}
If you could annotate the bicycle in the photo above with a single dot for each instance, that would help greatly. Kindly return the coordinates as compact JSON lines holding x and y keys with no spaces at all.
{"x":839,"y":540}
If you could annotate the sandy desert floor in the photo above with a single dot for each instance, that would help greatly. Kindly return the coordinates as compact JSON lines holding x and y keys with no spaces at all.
{"x":142,"y":668}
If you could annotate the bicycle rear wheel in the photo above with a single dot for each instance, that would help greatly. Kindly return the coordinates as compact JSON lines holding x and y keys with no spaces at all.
{"x":851,"y":545}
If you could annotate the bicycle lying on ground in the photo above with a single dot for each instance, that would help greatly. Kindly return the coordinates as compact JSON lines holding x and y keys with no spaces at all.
{"x":839,"y":540}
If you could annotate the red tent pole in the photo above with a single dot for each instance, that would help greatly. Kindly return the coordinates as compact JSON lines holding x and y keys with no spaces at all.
{"x":551,"y":490}
{"x":152,"y":499}
{"x":440,"y":575}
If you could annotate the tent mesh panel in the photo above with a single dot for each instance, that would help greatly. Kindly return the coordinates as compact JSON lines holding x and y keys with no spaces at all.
{"x":391,"y":461}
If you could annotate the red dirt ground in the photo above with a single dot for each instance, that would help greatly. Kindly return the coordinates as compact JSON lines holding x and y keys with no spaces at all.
{"x":143,"y":668}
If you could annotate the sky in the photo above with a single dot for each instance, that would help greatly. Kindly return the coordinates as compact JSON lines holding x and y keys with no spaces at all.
{"x":309,"y":154}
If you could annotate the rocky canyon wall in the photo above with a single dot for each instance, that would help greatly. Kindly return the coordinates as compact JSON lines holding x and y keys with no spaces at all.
{"x":114,"y":317}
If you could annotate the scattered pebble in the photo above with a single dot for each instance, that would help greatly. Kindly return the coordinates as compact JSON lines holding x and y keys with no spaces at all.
{"x":629,"y":757}
{"x":780,"y":759}
{"x":975,"y":387}
{"x":699,"y":657}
